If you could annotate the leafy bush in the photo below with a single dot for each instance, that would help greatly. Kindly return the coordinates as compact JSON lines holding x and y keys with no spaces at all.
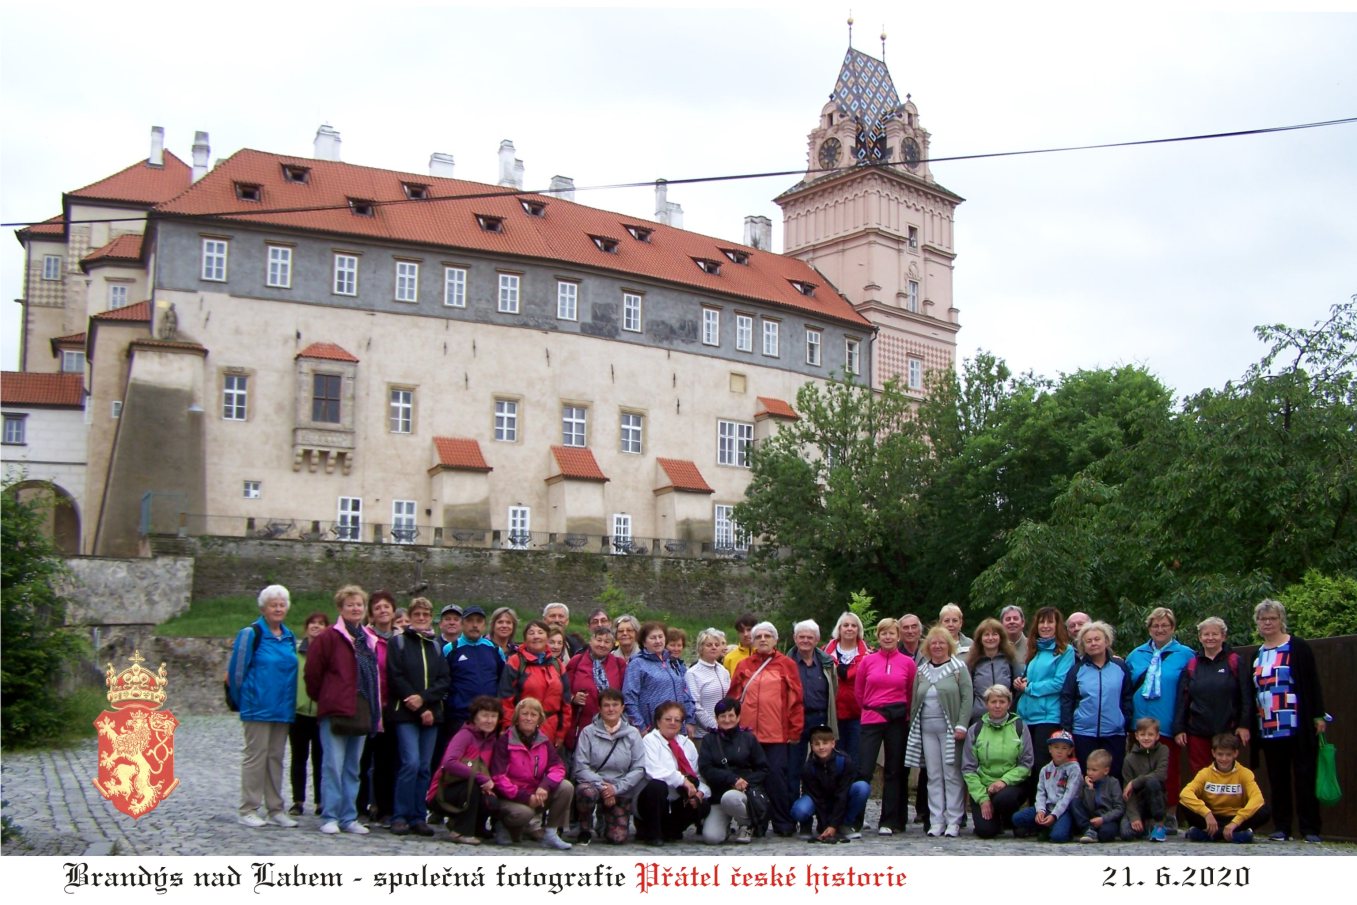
{"x":1321,"y":606}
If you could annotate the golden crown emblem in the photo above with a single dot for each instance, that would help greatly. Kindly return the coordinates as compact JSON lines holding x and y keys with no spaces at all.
{"x":136,"y":686}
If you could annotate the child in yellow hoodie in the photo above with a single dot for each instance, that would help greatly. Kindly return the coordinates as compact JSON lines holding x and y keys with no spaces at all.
{"x":1223,"y":800}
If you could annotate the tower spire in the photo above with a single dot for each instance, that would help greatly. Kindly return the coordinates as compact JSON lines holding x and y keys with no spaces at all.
{"x":883,"y":43}
{"x":850,"y":29}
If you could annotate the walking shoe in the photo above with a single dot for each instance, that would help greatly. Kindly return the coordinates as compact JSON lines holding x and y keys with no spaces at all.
{"x":400,"y":828}
{"x":743,"y":835}
{"x":1089,"y":836}
{"x":885,"y":831}
{"x":283,"y":820}
{"x":252,"y":820}
{"x":552,"y":840}
{"x":463,"y":840}
{"x":1171,"y":824}
{"x":295,"y":810}
{"x":1197,"y":834}
{"x":330,"y":827}
{"x":1243,"y":837}
{"x":584,"y":837}
{"x":1158,"y":834}
{"x":1280,"y":836}
{"x":420,"y":828}
{"x":355,"y":828}
{"x":1313,"y":838}
{"x":502,"y":836}
{"x":952,"y":831}
{"x":935,"y":832}
{"x":853,"y":833}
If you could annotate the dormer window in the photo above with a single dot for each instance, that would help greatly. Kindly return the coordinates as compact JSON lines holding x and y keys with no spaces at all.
{"x":708,"y":266}
{"x":294,"y":173}
{"x":248,"y":191}
{"x":490,"y":224}
{"x":605,"y":244}
{"x":533,"y":208}
{"x":362,"y":208}
{"x":415,"y":191}
{"x":640,"y":233}
{"x":806,"y":289}
{"x":736,"y":256}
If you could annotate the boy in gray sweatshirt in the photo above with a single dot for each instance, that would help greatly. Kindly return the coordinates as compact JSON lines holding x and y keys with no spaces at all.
{"x":1058,"y":785}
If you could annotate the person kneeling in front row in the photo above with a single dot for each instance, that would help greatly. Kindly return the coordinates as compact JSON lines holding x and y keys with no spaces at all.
{"x":835,"y":797}
{"x":1223,"y":801}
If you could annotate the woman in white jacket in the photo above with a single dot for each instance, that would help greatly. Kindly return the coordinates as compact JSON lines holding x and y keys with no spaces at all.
{"x":673,"y":797}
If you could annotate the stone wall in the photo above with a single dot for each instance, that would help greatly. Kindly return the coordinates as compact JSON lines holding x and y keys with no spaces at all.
{"x":109,"y":591}
{"x":196,"y":666}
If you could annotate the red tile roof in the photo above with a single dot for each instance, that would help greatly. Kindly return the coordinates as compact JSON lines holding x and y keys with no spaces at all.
{"x":123,"y":248}
{"x":73,"y":339}
{"x":141,"y":311}
{"x":172,"y":344}
{"x":777,"y":408}
{"x":141,"y":183}
{"x":52,"y":227}
{"x":564,"y":233}
{"x":460,"y":453}
{"x":577,"y":463}
{"x":28,"y":388}
{"x":327,"y":351}
{"x":684,"y":476}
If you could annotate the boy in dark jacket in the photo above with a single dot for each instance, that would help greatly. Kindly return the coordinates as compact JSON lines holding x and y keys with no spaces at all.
{"x":833,"y":794}
{"x":1145,"y":774}
{"x":1098,"y":809}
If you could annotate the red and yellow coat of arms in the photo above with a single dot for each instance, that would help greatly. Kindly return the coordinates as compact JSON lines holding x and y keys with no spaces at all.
{"x":136,"y":740}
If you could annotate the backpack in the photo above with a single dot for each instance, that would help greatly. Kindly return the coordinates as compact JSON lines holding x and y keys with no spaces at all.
{"x":1232,"y":659}
{"x":226,"y":684}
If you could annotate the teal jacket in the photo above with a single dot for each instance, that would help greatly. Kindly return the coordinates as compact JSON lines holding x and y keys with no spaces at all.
{"x":1040,"y":703}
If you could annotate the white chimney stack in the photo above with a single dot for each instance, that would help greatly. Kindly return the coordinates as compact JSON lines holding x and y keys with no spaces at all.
{"x":758,"y":233}
{"x":157,"y":156}
{"x":201,"y":152}
{"x":327,"y":143}
{"x":440,"y":164}
{"x":563,"y":187}
{"x":510,"y":168}
{"x":666,"y":211}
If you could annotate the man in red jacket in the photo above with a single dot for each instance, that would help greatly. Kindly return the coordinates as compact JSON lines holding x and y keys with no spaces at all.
{"x":768,"y":687}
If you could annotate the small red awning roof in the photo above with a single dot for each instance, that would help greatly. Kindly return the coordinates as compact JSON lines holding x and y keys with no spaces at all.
{"x":777,"y":408}
{"x":577,"y":463}
{"x":683,"y":476}
{"x":55,"y":390}
{"x":460,"y":453}
{"x":327,"y":351}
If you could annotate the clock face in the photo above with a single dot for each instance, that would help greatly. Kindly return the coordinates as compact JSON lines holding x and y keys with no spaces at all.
{"x":911,"y":153}
{"x":829,"y":153}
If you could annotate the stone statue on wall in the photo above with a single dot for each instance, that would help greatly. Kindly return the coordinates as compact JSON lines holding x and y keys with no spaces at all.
{"x":168,"y":326}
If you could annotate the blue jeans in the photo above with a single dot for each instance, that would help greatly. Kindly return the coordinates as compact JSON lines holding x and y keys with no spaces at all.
{"x":850,"y":735}
{"x":339,"y":774}
{"x":415,"y":742}
{"x":1026,"y":819}
{"x":803,"y":809}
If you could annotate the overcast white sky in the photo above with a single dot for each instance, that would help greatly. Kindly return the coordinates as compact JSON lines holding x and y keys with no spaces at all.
{"x":1164,"y":256}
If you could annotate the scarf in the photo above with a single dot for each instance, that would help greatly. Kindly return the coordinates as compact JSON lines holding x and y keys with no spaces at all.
{"x":368,"y":686}
{"x":682,"y":760}
{"x":600,"y":674}
{"x":1150,"y":689}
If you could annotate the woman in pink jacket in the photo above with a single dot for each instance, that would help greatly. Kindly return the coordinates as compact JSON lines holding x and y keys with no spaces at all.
{"x":884,"y":684}
{"x":463,"y":789}
{"x":529,"y":779}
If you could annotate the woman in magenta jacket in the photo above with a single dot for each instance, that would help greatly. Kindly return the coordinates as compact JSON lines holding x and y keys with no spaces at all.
{"x":884,"y":684}
{"x":530,"y":779}
{"x":462,"y":788}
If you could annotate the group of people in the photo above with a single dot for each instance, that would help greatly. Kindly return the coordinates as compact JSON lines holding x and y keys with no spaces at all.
{"x":548,"y":734}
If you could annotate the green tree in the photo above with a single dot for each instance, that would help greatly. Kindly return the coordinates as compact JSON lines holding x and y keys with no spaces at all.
{"x":38,"y":650}
{"x":1322,"y":606}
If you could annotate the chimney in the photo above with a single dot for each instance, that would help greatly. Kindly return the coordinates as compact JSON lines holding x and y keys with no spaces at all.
{"x":666,"y":211}
{"x":440,"y":164}
{"x":327,"y":143}
{"x":518,"y":173}
{"x":201,"y":152}
{"x":507,"y":164}
{"x":758,"y":233}
{"x":157,"y":157}
{"x":562,"y":187}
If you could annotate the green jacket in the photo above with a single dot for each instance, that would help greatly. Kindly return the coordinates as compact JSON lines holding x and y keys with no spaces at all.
{"x":995,"y":753}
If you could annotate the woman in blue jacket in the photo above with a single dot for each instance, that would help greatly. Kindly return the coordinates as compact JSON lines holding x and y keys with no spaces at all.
{"x":1049,"y":658}
{"x":262,"y":681}
{"x":1156,"y":666}
{"x":1095,"y":705}
{"x":653,"y":677}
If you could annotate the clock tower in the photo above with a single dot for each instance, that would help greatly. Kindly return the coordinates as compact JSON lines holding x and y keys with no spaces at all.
{"x":869,"y":216}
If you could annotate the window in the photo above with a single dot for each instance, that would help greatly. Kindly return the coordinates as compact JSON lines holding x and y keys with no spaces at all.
{"x":415,"y":192}
{"x":728,"y":535}
{"x":640,"y":233}
{"x":117,"y":296}
{"x":770,"y":330}
{"x":16,"y":429}
{"x":852,"y":356}
{"x":407,"y":281}
{"x":508,"y":293}
{"x":806,"y":289}
{"x":214,"y":259}
{"x":349,"y":525}
{"x":115,"y":408}
{"x":234,"y":397}
{"x":362,"y":207}
{"x":325,"y":398}
{"x":533,"y":208}
{"x":402,"y":410}
{"x":506,"y":420}
{"x":280,"y":267}
{"x":621,"y":533}
{"x":51,"y":267}
{"x":520,"y":528}
{"x":631,"y":432}
{"x":72,"y":361}
{"x":605,"y":244}
{"x":567,"y":300}
{"x":912,"y":301}
{"x":733,"y":439}
{"x":916,"y":374}
{"x":454,"y":287}
{"x":914,"y":237}
{"x":490,"y":224}
{"x":249,"y":191}
{"x":403,"y":530}
{"x":294,"y":173}
{"x":707,"y":265}
{"x":346,"y":275}
{"x":736,"y":256}
{"x":250,"y":490}
{"x":631,"y":312}
{"x":711,"y":327}
{"x":573,"y":419}
{"x":744,"y":333}
{"x":813,"y":347}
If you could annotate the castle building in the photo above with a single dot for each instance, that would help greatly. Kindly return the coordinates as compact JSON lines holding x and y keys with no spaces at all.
{"x":308,"y":348}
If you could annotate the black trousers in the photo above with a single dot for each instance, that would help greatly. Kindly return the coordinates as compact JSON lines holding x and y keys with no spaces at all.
{"x":304,"y":737}
{"x":1260,"y":817}
{"x":1005,"y":804}
{"x":377,"y":774}
{"x":894,"y":777}
{"x":659,"y":819}
{"x":1288,"y":759}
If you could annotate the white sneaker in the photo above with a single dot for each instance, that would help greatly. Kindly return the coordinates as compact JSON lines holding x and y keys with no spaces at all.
{"x":252,"y":820}
{"x":330,"y":827}
{"x":743,"y":835}
{"x":355,"y":828}
{"x":952,"y":831}
{"x":935,"y":832}
{"x":885,"y":831}
{"x":281,"y":819}
{"x":552,"y":840}
{"x":854,"y":834}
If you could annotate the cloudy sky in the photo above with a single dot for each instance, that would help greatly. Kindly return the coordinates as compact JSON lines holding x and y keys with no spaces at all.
{"x":1164,"y":256}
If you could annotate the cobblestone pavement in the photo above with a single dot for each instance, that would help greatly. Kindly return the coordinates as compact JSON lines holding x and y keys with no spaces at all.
{"x":51,"y":797}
